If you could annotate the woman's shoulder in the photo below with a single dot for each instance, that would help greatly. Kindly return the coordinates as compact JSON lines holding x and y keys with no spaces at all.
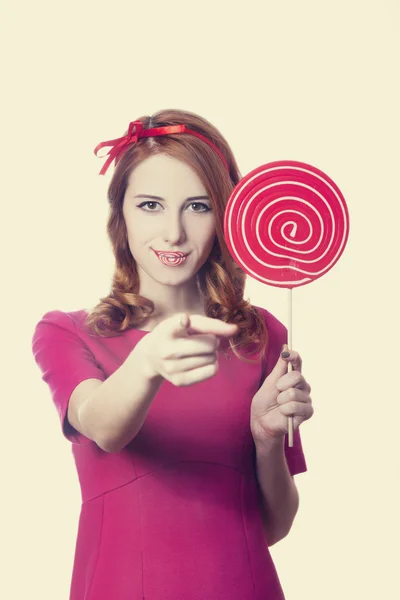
{"x":272,"y":323}
{"x":61,"y":319}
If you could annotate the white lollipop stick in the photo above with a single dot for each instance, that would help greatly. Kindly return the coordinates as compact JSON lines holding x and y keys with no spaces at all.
{"x":290,"y":367}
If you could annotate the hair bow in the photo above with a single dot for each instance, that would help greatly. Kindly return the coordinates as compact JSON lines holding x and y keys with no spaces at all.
{"x":137,"y":131}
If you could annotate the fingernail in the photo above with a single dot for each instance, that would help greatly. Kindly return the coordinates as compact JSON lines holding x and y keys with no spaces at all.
{"x":285,"y":354}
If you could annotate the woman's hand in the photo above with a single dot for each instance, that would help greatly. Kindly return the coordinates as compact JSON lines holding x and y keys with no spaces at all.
{"x":281,"y":395}
{"x":184,"y":348}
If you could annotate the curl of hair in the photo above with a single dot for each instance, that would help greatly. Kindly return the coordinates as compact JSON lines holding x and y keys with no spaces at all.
{"x":220,"y":279}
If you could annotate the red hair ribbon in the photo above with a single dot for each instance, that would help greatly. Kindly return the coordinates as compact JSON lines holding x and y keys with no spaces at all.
{"x":136,"y":131}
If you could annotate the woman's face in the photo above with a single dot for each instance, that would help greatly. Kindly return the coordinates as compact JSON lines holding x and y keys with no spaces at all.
{"x":166,"y":209}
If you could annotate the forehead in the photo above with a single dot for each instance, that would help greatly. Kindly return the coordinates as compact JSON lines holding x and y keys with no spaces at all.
{"x":161,"y":173}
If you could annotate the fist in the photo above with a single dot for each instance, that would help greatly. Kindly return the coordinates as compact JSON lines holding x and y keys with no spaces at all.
{"x":282,"y":395}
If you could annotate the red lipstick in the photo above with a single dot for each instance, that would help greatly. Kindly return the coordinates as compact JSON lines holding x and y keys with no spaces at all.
{"x":171,"y":259}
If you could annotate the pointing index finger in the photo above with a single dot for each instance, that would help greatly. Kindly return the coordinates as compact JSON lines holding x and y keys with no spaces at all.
{"x":204,"y":324}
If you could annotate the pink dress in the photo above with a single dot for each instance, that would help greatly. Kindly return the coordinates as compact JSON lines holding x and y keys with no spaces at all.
{"x":174,"y":515}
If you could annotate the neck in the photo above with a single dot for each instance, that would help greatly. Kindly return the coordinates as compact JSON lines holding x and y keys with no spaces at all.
{"x":169,"y":300}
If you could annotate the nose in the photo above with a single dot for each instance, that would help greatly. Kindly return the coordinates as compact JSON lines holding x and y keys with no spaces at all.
{"x":174,"y":233}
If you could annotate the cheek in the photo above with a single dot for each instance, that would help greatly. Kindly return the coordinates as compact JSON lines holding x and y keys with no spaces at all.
{"x":137,"y":231}
{"x":208,"y":243}
{"x":206,"y":230}
{"x":135,"y":240}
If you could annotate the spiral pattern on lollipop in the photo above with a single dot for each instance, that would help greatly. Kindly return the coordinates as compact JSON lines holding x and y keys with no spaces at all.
{"x":286,"y":223}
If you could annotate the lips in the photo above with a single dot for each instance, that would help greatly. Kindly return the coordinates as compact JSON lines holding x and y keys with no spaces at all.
{"x":171,"y":259}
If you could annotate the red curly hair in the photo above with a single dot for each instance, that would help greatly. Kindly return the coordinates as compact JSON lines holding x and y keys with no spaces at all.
{"x":220,"y":279}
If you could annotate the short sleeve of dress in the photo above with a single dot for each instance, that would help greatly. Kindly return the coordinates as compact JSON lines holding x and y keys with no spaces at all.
{"x":65,"y":361}
{"x":277,"y":336}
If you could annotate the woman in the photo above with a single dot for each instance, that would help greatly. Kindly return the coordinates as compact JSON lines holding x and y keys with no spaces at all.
{"x":173,"y":390}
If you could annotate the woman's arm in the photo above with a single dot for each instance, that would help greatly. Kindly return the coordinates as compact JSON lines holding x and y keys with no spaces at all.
{"x":279,"y":494}
{"x":115,"y":410}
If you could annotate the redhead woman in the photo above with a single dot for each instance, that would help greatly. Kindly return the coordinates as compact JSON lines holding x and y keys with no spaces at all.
{"x":174,"y":390}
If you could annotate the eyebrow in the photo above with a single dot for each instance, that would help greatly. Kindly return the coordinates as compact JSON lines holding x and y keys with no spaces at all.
{"x":191,"y":198}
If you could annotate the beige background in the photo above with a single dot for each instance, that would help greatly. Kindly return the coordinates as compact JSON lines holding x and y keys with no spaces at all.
{"x":308,"y":80}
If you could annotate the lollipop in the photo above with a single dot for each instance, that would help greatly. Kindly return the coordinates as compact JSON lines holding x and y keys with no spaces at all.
{"x":286,"y":224}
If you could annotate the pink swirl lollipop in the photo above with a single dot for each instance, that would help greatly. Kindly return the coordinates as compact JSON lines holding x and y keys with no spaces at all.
{"x":286,"y":224}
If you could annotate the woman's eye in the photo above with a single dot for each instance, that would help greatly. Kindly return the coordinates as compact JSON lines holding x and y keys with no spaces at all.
{"x":146,"y":204}
{"x":205,"y":207}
